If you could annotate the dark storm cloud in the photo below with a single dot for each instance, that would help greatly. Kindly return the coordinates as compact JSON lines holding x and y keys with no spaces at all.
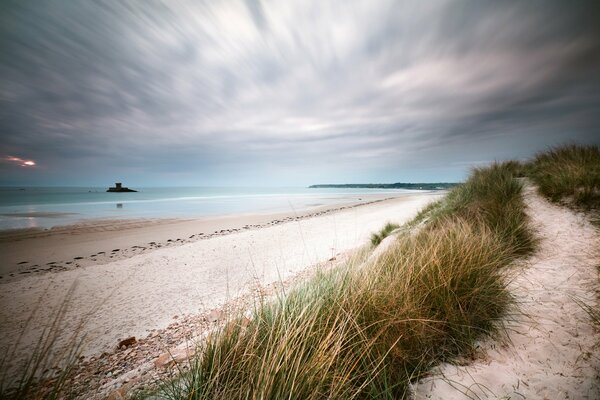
{"x":336,"y":90}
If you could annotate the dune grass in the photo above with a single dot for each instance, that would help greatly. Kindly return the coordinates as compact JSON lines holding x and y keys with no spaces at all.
{"x":490,"y":198}
{"x":568,"y":174}
{"x":368,"y":330}
{"x":376,"y":238}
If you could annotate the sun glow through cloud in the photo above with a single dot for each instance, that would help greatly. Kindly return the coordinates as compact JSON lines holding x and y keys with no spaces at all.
{"x":19,"y":161}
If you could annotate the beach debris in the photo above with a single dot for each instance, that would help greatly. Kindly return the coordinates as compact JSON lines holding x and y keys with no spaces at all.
{"x":127,"y":342}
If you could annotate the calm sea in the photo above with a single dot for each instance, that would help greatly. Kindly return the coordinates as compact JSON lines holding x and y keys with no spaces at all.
{"x":47,"y":207}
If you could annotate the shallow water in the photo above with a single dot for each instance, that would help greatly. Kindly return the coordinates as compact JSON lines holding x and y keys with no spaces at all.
{"x":46,"y":207}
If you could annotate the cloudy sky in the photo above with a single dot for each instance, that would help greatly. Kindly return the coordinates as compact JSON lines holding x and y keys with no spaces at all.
{"x":289,"y":92}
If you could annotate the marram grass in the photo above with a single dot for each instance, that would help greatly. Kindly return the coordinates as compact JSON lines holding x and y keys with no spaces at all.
{"x":491,"y":198}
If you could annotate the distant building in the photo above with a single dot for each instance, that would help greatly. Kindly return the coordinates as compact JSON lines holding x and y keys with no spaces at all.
{"x":119,"y":188}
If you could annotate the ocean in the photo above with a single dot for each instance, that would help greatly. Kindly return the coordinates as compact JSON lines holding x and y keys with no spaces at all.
{"x":45,"y":207}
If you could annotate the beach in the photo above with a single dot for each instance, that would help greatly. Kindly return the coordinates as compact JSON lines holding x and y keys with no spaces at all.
{"x":130,"y":278}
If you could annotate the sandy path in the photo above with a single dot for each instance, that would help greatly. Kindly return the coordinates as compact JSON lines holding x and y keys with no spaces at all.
{"x":130,"y":297}
{"x":553,"y":347}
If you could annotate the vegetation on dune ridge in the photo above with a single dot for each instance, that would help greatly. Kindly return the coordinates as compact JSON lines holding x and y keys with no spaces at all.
{"x":367,"y":330}
{"x":569,"y":174}
{"x":491,"y":198}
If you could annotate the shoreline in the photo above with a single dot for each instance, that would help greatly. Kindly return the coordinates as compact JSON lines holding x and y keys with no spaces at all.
{"x":136,"y":294}
{"x":99,"y":241}
{"x":37,"y":215}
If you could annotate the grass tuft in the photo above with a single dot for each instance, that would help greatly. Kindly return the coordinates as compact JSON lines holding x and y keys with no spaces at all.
{"x":378,"y":237}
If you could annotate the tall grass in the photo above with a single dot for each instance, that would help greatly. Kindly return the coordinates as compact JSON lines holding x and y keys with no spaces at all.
{"x":570,"y":174}
{"x":367,"y":330}
{"x":491,"y":198}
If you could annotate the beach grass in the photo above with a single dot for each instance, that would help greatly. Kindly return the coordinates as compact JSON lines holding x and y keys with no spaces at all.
{"x":368,"y":330}
{"x":376,"y":238}
{"x":568,"y":174}
{"x":490,"y":198}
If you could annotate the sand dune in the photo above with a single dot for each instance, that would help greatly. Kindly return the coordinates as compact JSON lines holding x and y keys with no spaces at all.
{"x":551,"y":348}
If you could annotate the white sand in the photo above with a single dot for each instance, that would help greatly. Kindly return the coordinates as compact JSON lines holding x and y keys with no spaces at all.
{"x":131,"y":296}
{"x":552,"y":351}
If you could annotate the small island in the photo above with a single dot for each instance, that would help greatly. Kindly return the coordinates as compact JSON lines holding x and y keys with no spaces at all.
{"x":399,"y":185}
{"x":118,"y":188}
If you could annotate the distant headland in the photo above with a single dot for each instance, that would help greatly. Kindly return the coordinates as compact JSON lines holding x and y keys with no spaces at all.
{"x":399,"y":185}
{"x":119,"y":188}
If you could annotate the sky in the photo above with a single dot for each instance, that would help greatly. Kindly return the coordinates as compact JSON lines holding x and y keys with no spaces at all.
{"x":289,"y":93}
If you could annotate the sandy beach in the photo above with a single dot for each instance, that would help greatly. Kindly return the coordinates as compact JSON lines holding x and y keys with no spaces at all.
{"x":134,"y":277}
{"x":97,"y":241}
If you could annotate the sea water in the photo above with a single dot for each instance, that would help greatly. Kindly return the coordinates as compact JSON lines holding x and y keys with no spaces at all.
{"x":45,"y":207}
